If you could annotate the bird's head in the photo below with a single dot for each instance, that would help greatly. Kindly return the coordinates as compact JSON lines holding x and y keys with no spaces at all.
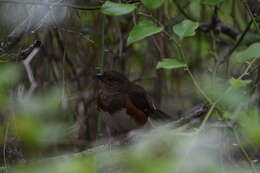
{"x":113,"y":79}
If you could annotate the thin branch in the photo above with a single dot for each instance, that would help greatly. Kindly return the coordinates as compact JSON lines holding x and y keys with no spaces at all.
{"x":28,"y":68}
{"x":241,"y":147}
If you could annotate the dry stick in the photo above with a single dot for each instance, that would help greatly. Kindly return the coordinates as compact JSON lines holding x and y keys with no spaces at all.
{"x":76,"y":7}
{"x":28,"y":69}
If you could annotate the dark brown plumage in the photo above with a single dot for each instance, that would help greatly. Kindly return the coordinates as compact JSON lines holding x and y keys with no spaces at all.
{"x":125,"y":104}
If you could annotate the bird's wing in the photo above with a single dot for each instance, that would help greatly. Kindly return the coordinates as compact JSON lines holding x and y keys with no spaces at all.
{"x":140,"y":100}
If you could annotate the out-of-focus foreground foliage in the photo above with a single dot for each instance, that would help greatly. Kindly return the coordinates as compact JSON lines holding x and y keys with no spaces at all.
{"x":183,"y":52}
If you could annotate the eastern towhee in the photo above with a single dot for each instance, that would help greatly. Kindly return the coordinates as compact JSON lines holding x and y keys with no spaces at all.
{"x":125,"y":105}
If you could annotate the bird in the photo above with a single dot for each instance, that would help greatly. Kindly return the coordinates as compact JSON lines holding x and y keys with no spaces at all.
{"x":125,"y":105}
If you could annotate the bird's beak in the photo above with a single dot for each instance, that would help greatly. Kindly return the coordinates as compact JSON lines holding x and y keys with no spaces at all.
{"x":99,"y":75}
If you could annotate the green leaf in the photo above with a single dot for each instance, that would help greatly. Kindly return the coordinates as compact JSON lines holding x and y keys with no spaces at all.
{"x":238,"y":83}
{"x":117,"y":9}
{"x":143,"y":29}
{"x":227,"y":115}
{"x":210,"y":2}
{"x":152,"y":3}
{"x":169,"y":63}
{"x":10,"y":74}
{"x":253,"y":51}
{"x":185,"y":29}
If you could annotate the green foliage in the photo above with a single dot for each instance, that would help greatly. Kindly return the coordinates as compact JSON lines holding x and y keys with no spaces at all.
{"x":7,"y":70}
{"x":152,"y":3}
{"x":210,"y":2}
{"x":169,"y":63}
{"x":35,"y":119}
{"x":220,"y":90}
{"x":117,"y":9}
{"x":238,"y":83}
{"x":10,"y":74}
{"x":227,"y":115}
{"x":185,"y":29}
{"x":69,"y":165}
{"x":142,"y":30}
{"x":250,"y":123}
{"x":253,"y":51}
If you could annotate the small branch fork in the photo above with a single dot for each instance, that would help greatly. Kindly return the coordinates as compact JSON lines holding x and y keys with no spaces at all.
{"x":34,"y":51}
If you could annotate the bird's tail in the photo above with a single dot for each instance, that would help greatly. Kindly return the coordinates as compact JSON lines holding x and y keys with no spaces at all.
{"x":159,"y":115}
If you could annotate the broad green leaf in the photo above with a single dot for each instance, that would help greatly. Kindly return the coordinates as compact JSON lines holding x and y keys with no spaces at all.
{"x":143,"y":29}
{"x":117,"y":9}
{"x":152,"y":3}
{"x":169,"y":63}
{"x":185,"y":29}
{"x":210,"y":2}
{"x":253,"y":51}
{"x":238,"y":83}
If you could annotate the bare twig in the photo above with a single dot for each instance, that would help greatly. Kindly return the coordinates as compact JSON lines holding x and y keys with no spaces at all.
{"x":28,"y":68}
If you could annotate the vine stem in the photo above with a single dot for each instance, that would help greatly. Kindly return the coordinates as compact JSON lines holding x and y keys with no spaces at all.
{"x":249,"y":160}
{"x":194,"y":80}
{"x":213,"y":105}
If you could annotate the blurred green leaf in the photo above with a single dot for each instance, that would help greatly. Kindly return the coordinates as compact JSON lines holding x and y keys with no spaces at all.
{"x":219,"y":89}
{"x":117,"y":9}
{"x":143,"y":29}
{"x":46,"y":104}
{"x":210,"y":2}
{"x":227,"y":115}
{"x":238,"y":83}
{"x":250,"y":123}
{"x":152,"y":3}
{"x":10,"y":73}
{"x":169,"y":63}
{"x":185,"y":29}
{"x":253,"y":51}
{"x":35,"y":132}
{"x":65,"y":164}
